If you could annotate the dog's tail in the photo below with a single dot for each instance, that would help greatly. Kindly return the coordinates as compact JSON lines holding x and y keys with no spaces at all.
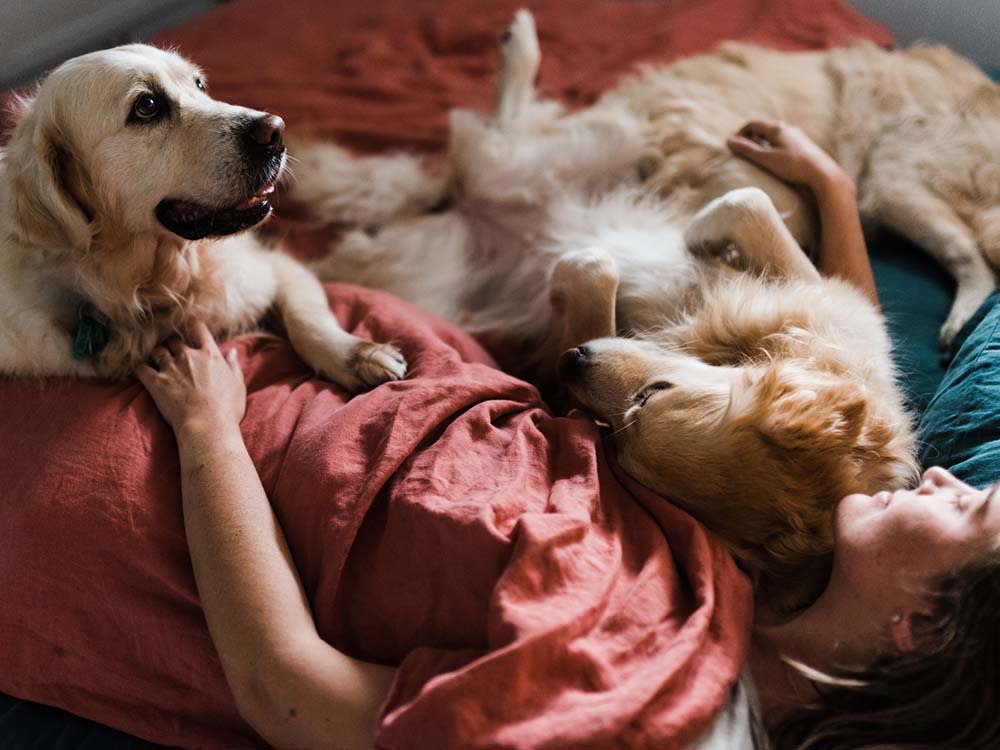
{"x":337,"y":187}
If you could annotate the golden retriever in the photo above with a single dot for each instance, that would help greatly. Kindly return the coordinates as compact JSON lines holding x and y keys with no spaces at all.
{"x":917,"y":129}
{"x":122,"y":192}
{"x":737,"y":381}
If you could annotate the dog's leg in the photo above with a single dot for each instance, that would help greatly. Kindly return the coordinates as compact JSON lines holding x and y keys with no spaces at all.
{"x":528,"y":151}
{"x":934,"y":226}
{"x":520,"y":57}
{"x":582,"y":290}
{"x":745,"y":229}
{"x":317,"y":337}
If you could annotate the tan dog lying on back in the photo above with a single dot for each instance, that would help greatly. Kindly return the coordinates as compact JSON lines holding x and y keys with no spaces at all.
{"x":739,"y":383}
{"x":123,"y":191}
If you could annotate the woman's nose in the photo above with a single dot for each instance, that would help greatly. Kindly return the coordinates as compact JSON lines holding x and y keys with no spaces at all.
{"x":936,"y":477}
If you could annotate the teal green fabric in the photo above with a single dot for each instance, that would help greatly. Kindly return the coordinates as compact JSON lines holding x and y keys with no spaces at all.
{"x":960,"y":428}
{"x":916,"y":295}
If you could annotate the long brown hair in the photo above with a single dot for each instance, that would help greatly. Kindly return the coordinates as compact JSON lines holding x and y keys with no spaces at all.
{"x":946,"y":697}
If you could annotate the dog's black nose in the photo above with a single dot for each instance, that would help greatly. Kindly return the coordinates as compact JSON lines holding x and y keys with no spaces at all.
{"x":268,"y":131}
{"x":573,"y":362}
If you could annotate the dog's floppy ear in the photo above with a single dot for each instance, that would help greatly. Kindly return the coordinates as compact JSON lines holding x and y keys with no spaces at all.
{"x":801,"y":411}
{"x":47,"y":183}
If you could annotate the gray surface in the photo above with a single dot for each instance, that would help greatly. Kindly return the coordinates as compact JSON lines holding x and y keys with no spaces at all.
{"x":36,"y":35}
{"x":970,"y":27}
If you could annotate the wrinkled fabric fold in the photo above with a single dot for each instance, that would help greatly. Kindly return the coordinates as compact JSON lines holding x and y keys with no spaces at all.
{"x":447,"y":523}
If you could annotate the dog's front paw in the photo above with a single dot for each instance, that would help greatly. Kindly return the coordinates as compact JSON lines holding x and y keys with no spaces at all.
{"x":714,"y":230}
{"x":374,"y":364}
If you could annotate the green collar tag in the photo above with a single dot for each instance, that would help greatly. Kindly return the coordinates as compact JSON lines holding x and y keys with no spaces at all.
{"x":91,"y":334}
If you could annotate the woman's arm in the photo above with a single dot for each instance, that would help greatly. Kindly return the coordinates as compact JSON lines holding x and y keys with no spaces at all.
{"x":295,"y":689}
{"x":788,"y":153}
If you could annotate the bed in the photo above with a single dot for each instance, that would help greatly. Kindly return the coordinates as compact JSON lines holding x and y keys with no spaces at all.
{"x":102,"y":641}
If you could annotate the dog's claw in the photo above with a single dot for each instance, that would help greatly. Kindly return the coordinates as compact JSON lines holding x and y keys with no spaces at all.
{"x":375,"y":364}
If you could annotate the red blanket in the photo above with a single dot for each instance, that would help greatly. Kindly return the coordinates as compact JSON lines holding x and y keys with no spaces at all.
{"x":448,"y":523}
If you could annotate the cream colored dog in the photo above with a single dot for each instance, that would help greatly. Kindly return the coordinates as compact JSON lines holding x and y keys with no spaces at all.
{"x":739,"y":383}
{"x":917,"y":129}
{"x":122,"y":190}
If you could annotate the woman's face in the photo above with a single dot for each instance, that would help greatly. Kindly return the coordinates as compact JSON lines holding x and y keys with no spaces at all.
{"x":915,"y":537}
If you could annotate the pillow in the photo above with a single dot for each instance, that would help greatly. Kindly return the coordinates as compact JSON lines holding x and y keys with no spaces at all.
{"x":960,"y":429}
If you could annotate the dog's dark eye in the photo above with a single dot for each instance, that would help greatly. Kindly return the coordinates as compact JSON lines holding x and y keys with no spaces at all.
{"x":146,"y":108}
{"x":643,"y":396}
{"x":200,"y":84}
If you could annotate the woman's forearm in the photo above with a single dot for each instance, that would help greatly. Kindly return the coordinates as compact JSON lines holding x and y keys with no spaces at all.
{"x":246,"y":580}
{"x":294,"y":688}
{"x":842,"y":249}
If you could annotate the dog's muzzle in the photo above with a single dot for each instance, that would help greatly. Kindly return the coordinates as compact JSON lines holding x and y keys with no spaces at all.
{"x":573,"y":363}
{"x":263,"y":146}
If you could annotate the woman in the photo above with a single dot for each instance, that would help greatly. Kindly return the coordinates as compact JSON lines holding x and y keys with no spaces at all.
{"x":909,"y":601}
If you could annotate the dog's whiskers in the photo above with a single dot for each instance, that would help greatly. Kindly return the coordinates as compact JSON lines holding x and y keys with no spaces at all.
{"x":623,"y":428}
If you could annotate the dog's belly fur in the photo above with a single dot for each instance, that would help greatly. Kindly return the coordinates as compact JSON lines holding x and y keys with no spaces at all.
{"x":486,"y":275}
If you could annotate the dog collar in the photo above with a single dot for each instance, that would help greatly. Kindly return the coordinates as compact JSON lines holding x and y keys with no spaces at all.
{"x":92,"y":332}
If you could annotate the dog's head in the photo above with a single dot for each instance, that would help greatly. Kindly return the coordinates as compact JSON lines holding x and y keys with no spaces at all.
{"x":129,"y":139}
{"x":760,"y":453}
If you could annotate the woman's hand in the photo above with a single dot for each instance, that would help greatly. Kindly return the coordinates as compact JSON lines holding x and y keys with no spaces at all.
{"x":788,"y":153}
{"x":195,"y":385}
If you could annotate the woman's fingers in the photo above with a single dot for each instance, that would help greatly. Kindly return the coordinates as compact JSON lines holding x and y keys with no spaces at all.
{"x":202,"y":337}
{"x":743,"y":146}
{"x":161,"y":357}
{"x":234,"y":363}
{"x":760,"y":154}
{"x":147,"y":376}
{"x":175,"y":345}
{"x":757,"y":129}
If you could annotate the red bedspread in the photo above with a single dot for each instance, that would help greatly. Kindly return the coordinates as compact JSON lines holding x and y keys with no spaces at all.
{"x":447,"y":522}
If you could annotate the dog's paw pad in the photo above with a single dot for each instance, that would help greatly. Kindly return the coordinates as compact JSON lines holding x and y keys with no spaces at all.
{"x":377,"y":363}
{"x":723,"y":251}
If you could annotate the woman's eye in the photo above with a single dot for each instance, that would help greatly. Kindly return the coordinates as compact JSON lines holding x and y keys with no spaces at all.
{"x":146,"y":107}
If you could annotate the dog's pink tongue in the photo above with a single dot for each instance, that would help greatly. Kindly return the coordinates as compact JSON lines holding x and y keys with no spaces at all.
{"x":257,"y":198}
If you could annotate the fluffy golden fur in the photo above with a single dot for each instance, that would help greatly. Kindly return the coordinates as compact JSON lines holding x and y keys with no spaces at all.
{"x":739,"y":383}
{"x":122,"y":192}
{"x":918,"y":130}
{"x":757,"y":410}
